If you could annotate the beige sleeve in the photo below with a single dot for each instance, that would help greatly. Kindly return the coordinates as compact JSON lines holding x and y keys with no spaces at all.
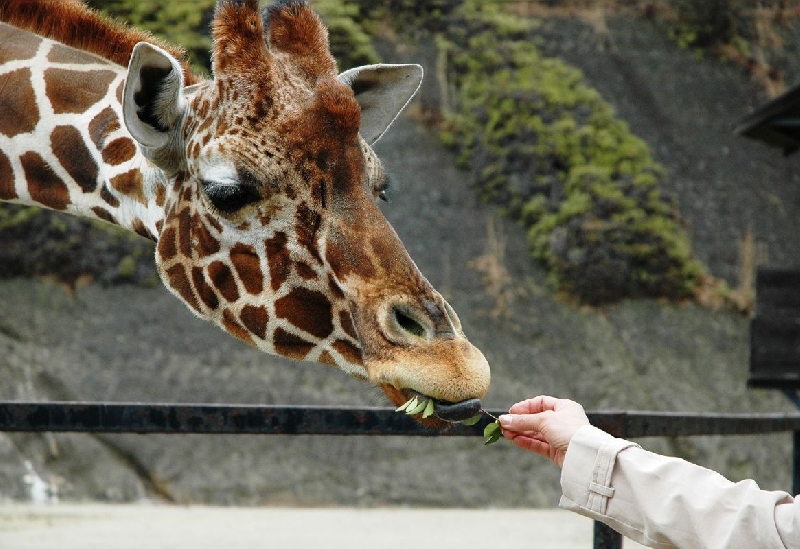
{"x":665,"y":502}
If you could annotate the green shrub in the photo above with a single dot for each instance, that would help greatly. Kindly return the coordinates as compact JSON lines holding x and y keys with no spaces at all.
{"x":350,"y":44}
{"x":183,"y":23}
{"x":550,"y":152}
{"x":707,"y":23}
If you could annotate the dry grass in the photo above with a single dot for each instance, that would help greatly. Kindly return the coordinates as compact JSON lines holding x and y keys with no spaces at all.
{"x":496,"y":279}
{"x":716,"y":294}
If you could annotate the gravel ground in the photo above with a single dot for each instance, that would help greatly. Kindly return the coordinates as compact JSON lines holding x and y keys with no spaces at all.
{"x":160,"y":527}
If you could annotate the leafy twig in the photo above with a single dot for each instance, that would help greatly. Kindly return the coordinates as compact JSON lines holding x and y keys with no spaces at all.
{"x":491,"y":433}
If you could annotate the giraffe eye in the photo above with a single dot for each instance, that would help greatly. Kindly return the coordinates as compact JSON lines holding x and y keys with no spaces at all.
{"x":229,"y":198}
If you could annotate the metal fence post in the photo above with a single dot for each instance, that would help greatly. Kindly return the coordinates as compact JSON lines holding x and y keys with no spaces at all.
{"x":796,"y":464}
{"x":794,"y":397}
{"x":616,"y":424}
{"x":606,"y":537}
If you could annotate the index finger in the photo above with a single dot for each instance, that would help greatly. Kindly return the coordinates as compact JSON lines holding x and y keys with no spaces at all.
{"x":534,"y":405}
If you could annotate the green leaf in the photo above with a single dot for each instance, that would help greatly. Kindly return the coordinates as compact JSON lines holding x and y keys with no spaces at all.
{"x":494,"y":437}
{"x":404,"y":405}
{"x":473,"y":420}
{"x":428,"y":409}
{"x":491,"y":429}
{"x":411,"y":404}
{"x":417,"y":409}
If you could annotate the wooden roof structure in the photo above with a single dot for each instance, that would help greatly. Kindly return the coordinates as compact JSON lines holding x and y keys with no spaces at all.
{"x":777,"y":123}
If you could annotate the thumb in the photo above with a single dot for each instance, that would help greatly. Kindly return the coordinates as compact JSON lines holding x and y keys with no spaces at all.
{"x":522,"y":422}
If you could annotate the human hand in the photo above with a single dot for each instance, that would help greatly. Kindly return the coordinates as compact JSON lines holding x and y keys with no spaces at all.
{"x":544,"y":425}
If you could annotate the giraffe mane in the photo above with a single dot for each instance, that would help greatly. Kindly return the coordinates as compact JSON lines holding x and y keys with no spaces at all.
{"x":74,"y":24}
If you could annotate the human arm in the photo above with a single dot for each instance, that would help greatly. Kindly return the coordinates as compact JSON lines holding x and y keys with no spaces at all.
{"x":656,"y":500}
{"x":667,"y":502}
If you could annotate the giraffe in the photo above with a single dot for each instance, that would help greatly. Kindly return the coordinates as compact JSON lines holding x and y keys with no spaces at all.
{"x":258,"y":185}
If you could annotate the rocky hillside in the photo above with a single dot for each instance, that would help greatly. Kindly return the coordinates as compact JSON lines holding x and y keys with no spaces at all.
{"x":122,"y":342}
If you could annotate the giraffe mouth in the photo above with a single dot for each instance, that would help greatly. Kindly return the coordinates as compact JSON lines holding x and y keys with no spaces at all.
{"x":451,"y":412}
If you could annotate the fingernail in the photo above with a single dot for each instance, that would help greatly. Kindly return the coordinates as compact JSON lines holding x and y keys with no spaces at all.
{"x":505,"y":420}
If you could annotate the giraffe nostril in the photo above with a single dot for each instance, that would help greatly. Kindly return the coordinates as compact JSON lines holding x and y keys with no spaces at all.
{"x":408,"y":324}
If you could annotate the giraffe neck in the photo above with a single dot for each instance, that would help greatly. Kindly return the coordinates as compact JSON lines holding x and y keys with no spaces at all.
{"x":63,"y":145}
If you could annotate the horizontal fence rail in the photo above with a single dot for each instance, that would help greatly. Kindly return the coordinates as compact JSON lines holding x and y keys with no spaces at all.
{"x":155,"y":418}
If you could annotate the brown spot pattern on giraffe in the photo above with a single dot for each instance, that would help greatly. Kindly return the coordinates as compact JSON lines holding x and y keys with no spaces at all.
{"x":223,"y":280}
{"x":185,"y":233}
{"x":44,"y":185}
{"x":18,"y":45}
{"x":139,"y":228}
{"x":206,"y":292}
{"x":248,"y":267}
{"x":64,"y":54}
{"x":167,"y":244}
{"x":206,"y":243}
{"x":255,"y":319}
{"x":7,"y":190}
{"x":68,"y":146}
{"x":179,"y":282}
{"x":118,"y":151}
{"x":161,"y":195}
{"x":202,"y":111}
{"x":350,"y":352}
{"x":346,"y":322}
{"x":233,"y":327}
{"x":130,"y":184}
{"x":108,"y":198}
{"x":334,"y":288}
{"x":290,"y":345}
{"x":18,"y":110}
{"x":214,"y":223}
{"x":278,"y":260}
{"x":75,"y":91}
{"x":104,"y":214}
{"x":305,"y":271}
{"x":104,"y":123}
{"x":308,"y":310}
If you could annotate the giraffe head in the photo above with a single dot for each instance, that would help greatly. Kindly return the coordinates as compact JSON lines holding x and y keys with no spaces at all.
{"x":271,"y":227}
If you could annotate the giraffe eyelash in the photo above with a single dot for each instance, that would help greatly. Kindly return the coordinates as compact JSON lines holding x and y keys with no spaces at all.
{"x":228,"y":198}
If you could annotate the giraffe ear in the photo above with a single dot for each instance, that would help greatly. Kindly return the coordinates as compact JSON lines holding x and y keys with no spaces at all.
{"x":382,"y":91}
{"x":153,"y":103}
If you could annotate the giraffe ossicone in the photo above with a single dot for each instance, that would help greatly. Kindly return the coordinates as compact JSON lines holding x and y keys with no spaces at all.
{"x":258,"y":185}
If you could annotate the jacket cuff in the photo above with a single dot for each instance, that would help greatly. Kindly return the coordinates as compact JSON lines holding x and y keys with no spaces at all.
{"x":587,"y":469}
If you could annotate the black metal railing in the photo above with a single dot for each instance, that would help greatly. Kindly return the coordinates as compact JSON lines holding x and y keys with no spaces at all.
{"x":151,"y":418}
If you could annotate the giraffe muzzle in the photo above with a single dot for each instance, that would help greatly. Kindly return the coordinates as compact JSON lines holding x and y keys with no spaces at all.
{"x":426,"y":355}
